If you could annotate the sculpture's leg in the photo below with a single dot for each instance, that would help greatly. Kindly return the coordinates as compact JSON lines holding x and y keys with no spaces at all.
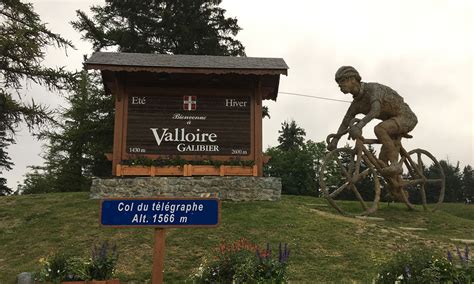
{"x":395,"y":187}
{"x":384,"y":132}
{"x":390,"y":147}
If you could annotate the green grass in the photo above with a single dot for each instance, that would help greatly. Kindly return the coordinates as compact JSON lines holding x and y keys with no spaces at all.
{"x":325,"y":247}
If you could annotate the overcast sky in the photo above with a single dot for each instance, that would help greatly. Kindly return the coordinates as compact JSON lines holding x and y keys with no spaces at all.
{"x":423,"y":49}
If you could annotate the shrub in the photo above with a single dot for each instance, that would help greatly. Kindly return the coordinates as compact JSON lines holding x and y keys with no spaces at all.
{"x":53,"y":268}
{"x":103,"y":262}
{"x":76,"y":269}
{"x":423,"y":266}
{"x":243,"y":261}
{"x":59,"y":267}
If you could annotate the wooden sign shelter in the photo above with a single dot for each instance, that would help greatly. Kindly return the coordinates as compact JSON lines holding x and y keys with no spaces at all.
{"x":195,"y":107}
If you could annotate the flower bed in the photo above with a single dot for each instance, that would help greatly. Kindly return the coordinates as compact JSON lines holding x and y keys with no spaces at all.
{"x":186,"y":170}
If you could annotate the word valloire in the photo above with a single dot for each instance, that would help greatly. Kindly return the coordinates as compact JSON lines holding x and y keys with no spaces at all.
{"x":180,"y":135}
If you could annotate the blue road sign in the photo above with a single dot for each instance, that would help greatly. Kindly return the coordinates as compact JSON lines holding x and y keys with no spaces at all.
{"x":160,"y":212}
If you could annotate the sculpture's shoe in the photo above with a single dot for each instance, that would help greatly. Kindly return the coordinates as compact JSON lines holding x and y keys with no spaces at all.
{"x":392,"y":170}
{"x":397,"y":195}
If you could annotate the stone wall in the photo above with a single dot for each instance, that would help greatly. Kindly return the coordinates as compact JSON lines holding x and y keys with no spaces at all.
{"x":225,"y":188}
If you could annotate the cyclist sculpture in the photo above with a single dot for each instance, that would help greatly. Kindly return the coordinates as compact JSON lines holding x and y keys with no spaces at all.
{"x":357,"y":167}
{"x":375,"y":101}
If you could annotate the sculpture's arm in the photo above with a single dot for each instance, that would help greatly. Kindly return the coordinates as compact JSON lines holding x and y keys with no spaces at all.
{"x":333,"y":139}
{"x":374,"y":112}
{"x":345,"y":121}
{"x":350,"y":114}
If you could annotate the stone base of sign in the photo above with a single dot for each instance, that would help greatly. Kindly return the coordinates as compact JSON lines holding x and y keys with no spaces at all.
{"x":224,"y":188}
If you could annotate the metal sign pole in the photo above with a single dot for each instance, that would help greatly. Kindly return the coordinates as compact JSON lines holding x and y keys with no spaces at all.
{"x":158,"y":256}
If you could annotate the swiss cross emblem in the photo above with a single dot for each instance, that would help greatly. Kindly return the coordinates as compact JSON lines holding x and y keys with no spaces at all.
{"x":189,"y":102}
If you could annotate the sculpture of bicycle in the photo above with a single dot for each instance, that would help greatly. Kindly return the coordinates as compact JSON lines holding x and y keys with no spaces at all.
{"x":356,"y":174}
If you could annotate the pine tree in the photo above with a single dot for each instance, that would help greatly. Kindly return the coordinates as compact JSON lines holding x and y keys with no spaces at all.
{"x":291,"y":136}
{"x":5,"y":163}
{"x":23,"y":38}
{"x":166,"y":27}
{"x":76,"y":147}
{"x":75,"y":151}
{"x":468,"y":182}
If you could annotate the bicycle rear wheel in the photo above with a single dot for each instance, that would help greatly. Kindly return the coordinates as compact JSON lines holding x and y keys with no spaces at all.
{"x":344,"y":177}
{"x":423,"y":179}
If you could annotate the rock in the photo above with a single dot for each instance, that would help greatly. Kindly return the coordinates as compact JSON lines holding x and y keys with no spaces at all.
{"x":413,"y":229}
{"x":25,"y":278}
{"x":317,"y":205}
{"x":370,"y":218}
{"x":463,"y":241}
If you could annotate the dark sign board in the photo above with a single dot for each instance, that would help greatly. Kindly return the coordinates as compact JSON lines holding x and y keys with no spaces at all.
{"x":170,"y":124}
{"x":160,"y":212}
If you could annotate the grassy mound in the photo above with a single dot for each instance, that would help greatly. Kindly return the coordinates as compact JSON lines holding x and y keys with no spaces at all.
{"x":325,"y":246}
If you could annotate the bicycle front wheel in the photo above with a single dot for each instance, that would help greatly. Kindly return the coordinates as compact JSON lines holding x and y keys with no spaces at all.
{"x":346,"y":177}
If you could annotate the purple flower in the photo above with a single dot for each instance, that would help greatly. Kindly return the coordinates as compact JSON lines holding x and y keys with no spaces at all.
{"x":450,"y":256}
{"x":285,"y":253}
{"x":459,"y":254}
{"x":280,"y":253}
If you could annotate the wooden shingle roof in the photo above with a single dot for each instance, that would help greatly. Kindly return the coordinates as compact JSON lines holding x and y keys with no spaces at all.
{"x":205,"y":64}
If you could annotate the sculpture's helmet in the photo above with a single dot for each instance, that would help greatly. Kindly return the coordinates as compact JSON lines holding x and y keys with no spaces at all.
{"x":346,"y":72}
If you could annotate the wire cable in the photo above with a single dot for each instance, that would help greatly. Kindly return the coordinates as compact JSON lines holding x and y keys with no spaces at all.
{"x":313,"y":97}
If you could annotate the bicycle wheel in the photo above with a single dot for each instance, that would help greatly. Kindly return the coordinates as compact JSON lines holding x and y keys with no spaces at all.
{"x":344,"y":177}
{"x":423,"y":179}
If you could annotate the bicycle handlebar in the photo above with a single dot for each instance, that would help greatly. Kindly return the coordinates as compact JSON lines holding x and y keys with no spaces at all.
{"x":338,"y":135}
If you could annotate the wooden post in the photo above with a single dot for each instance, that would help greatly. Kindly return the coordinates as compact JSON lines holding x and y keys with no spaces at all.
{"x":119,"y":123}
{"x":118,"y":170}
{"x":258,"y":129}
{"x":255,"y":171}
{"x":158,"y":257}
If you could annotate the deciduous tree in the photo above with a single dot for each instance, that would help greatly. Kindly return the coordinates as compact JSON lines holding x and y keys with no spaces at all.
{"x":294,"y":161}
{"x":453,"y":178}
